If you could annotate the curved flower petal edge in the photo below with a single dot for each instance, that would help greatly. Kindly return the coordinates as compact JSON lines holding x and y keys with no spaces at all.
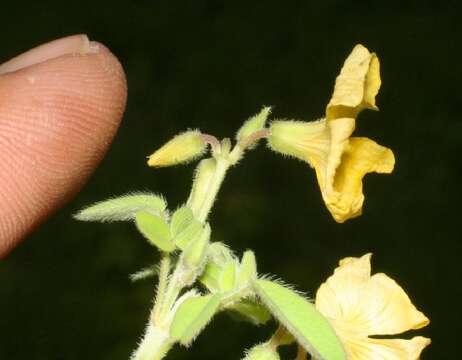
{"x":340,"y":161}
{"x":359,"y":305}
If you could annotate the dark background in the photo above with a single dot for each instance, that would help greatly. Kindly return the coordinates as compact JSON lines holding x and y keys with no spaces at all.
{"x":65,"y":292}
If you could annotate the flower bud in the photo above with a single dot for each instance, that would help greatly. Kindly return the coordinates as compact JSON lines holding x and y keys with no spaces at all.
{"x":182,"y":148}
{"x":253,"y":125}
{"x":202,"y":179}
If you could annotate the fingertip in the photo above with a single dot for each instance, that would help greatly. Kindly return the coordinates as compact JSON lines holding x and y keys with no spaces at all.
{"x":57,"y":119}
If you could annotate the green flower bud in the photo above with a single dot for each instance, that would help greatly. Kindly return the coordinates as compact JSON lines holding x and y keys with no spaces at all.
{"x":254,"y":124}
{"x":203,"y":177}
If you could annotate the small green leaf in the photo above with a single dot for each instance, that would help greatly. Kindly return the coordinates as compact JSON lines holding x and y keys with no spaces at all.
{"x":300,"y":317}
{"x":249,"y":311}
{"x":123,"y":208}
{"x":192,"y":316}
{"x":155,"y":230}
{"x":248,"y":269}
{"x":254,"y":124}
{"x":181,"y":218}
{"x":228,"y":277}
{"x":189,"y":234}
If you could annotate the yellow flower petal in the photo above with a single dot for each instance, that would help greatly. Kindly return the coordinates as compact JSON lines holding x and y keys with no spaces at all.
{"x":385,"y":309}
{"x":344,"y":198}
{"x":359,"y":305}
{"x":339,"y":295}
{"x":389,"y":349}
{"x":356,"y":86}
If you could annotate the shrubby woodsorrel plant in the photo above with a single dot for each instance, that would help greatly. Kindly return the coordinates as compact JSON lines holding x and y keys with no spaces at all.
{"x":198,"y":278}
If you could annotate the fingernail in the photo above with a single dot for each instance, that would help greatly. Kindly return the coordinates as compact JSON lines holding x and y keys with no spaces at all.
{"x":76,"y":44}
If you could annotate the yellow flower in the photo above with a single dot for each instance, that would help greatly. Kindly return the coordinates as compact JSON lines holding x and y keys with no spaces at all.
{"x":359,"y":305}
{"x":340,"y":161}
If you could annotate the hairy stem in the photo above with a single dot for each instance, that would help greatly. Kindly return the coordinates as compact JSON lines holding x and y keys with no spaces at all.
{"x":154,"y":346}
{"x":160,"y":295}
{"x":171,"y":294}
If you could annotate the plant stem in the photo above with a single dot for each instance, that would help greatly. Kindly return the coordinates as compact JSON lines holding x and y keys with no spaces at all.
{"x":160,"y":295}
{"x":154,"y":346}
{"x":171,"y":293}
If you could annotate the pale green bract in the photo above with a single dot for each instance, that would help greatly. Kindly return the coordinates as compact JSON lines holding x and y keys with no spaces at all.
{"x":192,"y":316}
{"x":299,"y":316}
{"x":123,"y":208}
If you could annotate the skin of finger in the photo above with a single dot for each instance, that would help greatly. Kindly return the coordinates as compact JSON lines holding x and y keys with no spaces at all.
{"x":57,"y":119}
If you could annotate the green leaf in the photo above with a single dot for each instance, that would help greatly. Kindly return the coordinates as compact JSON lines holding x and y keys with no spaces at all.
{"x":192,"y":316}
{"x":300,"y":317}
{"x":181,"y":218}
{"x":254,"y":124}
{"x":249,"y":311}
{"x":155,"y":230}
{"x":189,"y":234}
{"x":123,"y":208}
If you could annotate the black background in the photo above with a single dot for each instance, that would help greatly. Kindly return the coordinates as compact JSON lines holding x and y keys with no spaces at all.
{"x":65,"y":292}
